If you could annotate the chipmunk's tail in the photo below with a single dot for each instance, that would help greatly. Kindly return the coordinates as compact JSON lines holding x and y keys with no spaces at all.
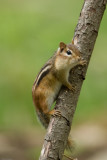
{"x":70,"y":144}
{"x":43,"y":118}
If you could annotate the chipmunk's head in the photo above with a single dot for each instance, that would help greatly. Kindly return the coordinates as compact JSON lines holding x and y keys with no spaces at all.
{"x":68,"y":56}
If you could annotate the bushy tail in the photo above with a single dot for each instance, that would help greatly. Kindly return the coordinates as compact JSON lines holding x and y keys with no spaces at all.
{"x":44,"y":119}
{"x":70,"y":144}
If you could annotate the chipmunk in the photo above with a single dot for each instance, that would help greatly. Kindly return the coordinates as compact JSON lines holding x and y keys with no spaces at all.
{"x":51,"y":77}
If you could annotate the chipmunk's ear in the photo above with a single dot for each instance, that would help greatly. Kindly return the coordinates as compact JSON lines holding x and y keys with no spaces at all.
{"x":72,"y":41}
{"x":62,"y":46}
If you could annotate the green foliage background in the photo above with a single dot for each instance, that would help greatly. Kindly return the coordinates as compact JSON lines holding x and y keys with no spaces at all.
{"x":30,"y":31}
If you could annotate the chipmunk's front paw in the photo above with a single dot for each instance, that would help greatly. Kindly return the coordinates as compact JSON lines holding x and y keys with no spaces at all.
{"x":71,"y":87}
{"x":83,"y":62}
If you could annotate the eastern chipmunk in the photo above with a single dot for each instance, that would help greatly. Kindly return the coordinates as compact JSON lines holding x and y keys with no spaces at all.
{"x":51,"y":77}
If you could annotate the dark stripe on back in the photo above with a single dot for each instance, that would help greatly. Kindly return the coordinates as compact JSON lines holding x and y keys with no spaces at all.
{"x":40,"y":72}
{"x":42,"y":76}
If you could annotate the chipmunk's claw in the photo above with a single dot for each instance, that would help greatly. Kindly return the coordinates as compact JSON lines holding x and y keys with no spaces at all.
{"x":73,"y":88}
{"x":57,"y":113}
{"x":83,"y":62}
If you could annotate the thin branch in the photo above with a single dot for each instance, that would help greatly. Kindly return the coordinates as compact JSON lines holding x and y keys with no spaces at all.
{"x":85,"y":36}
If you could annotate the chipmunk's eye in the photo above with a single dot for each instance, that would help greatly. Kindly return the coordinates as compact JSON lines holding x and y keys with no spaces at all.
{"x":69,"y":52}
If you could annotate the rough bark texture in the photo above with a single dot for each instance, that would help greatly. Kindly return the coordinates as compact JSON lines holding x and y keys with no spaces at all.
{"x":85,"y":36}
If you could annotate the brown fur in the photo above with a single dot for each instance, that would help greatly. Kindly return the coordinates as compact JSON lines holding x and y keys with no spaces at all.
{"x":45,"y":83}
{"x":50,"y":78}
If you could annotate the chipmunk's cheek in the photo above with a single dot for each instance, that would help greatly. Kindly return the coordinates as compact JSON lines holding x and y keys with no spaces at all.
{"x":73,"y":60}
{"x":70,"y":61}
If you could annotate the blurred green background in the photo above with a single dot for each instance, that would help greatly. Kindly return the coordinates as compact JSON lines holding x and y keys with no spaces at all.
{"x":30,"y":32}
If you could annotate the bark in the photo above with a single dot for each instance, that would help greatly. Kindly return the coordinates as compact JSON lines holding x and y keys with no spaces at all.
{"x":85,"y":36}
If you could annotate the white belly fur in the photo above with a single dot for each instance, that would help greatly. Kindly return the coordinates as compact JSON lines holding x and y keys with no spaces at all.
{"x":53,"y":94}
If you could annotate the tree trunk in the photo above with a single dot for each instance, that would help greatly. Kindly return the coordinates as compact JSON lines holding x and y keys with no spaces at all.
{"x":85,"y":36}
